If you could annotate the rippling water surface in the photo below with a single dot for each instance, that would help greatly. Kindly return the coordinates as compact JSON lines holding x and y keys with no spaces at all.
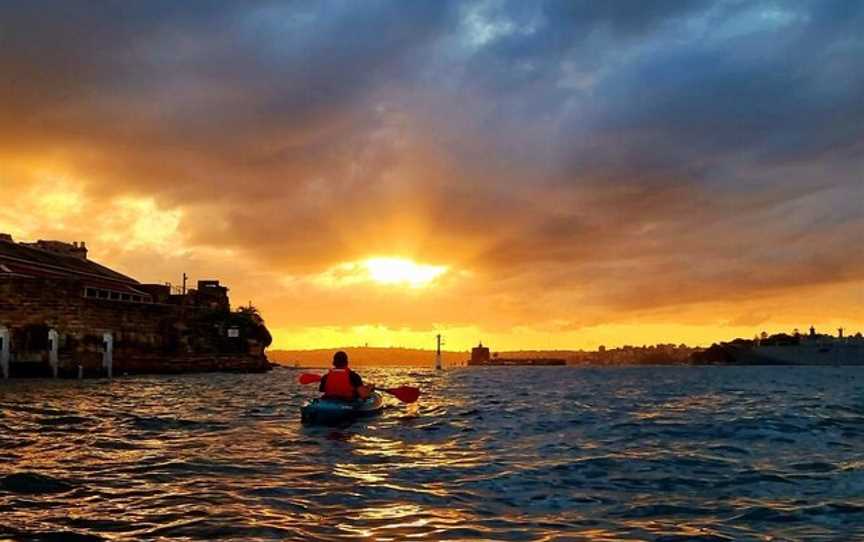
{"x":660,"y":453}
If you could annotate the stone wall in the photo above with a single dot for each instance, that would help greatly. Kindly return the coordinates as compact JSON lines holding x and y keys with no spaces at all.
{"x":148,"y":338}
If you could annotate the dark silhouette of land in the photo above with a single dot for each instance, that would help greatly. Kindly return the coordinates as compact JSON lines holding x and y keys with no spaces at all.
{"x":412,"y":357}
{"x":365,"y":356}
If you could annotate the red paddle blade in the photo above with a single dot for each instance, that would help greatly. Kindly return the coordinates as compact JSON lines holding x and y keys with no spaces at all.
{"x":406,"y":394}
{"x":309,"y":378}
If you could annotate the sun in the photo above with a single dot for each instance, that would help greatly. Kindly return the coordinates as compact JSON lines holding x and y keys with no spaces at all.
{"x":384,"y":270}
{"x":402,"y":271}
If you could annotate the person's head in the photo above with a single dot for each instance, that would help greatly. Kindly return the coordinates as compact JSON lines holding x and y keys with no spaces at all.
{"x":340,"y":360}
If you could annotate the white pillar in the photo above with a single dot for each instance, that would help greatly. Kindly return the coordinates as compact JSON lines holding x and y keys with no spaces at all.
{"x":4,"y":351}
{"x":53,"y":358}
{"x":108,"y":353}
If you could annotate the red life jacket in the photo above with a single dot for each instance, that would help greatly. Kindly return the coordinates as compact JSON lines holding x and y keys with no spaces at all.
{"x":338,"y":385}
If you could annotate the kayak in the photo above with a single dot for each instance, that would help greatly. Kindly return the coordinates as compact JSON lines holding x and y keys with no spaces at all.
{"x":328,"y":411}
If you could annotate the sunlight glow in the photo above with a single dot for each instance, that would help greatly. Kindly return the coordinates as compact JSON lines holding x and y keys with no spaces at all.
{"x":402,"y":271}
{"x":56,"y":197}
{"x":135,"y":223}
{"x":388,"y":271}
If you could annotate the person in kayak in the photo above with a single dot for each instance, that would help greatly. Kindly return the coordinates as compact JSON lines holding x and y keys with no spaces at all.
{"x":341,"y":383}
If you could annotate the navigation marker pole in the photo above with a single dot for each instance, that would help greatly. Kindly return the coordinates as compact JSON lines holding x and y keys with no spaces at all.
{"x":438,"y":355}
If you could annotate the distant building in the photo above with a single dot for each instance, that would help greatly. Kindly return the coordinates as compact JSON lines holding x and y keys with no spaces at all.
{"x":480,"y":355}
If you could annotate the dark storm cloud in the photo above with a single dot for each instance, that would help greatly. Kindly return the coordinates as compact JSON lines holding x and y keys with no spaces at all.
{"x":670,"y":85}
{"x":588,"y":134}
{"x":692,"y":119}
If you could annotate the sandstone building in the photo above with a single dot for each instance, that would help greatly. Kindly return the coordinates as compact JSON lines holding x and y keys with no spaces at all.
{"x":63,"y":314}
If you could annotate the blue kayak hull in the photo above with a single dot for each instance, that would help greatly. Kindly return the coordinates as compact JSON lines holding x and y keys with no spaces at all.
{"x":327,"y":412}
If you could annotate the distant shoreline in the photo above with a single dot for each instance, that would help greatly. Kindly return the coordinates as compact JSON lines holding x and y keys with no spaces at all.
{"x":664,"y":354}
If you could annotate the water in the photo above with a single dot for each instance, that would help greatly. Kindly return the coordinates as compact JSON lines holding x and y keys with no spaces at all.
{"x":659,"y":453}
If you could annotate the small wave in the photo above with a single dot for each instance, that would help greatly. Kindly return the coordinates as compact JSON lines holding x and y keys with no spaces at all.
{"x":51,"y":536}
{"x":65,"y":420}
{"x":814,"y":466}
{"x":157,"y":423}
{"x":31,"y":483}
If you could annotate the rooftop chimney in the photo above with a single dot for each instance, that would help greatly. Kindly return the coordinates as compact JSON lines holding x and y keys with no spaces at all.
{"x":81,"y":251}
{"x":74,"y":249}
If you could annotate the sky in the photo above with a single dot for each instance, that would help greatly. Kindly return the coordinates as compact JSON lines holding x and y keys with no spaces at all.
{"x":545,"y":174}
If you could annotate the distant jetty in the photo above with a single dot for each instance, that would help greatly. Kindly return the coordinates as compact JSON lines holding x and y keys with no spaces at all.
{"x":63,"y":314}
{"x":480,"y":356}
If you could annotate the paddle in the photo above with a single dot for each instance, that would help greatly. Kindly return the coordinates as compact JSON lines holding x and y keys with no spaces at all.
{"x":309,"y":378}
{"x":406,"y":394}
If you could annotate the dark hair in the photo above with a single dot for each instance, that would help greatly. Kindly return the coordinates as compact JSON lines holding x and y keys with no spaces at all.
{"x":340,"y":359}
